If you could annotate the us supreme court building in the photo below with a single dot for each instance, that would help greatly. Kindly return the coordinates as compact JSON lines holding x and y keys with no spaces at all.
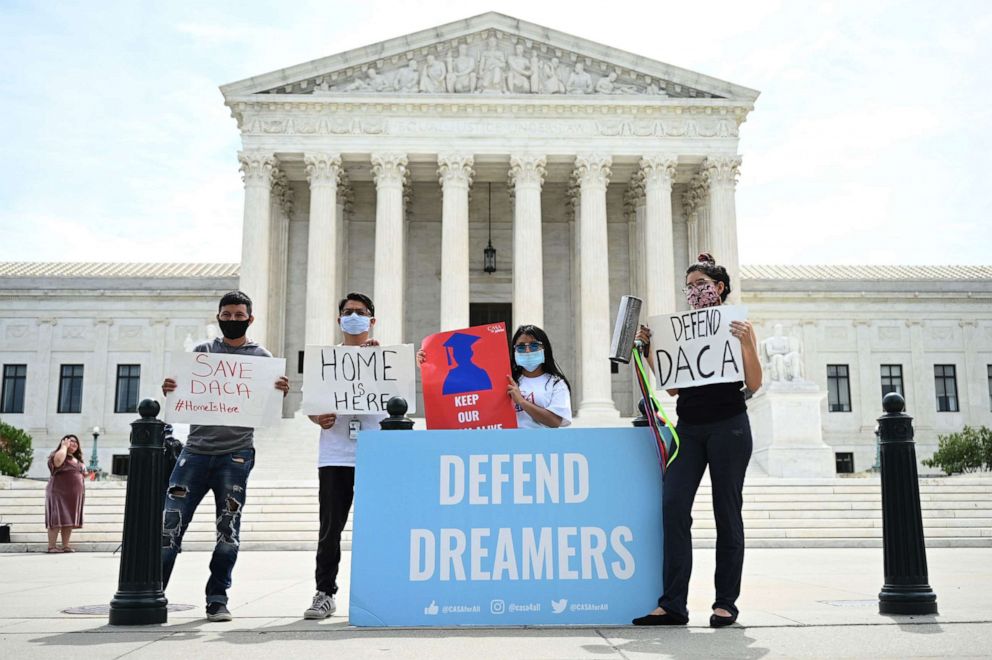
{"x":492,"y":169}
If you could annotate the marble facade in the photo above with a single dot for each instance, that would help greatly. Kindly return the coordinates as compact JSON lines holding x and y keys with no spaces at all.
{"x":598,"y":172}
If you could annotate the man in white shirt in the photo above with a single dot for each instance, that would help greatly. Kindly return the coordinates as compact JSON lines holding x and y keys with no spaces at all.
{"x":336,"y":462}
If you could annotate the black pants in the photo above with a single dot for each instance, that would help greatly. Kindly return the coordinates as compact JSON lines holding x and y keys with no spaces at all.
{"x":337,"y":490}
{"x":726,"y":447}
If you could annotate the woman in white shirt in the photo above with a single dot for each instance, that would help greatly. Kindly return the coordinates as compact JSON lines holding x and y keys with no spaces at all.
{"x":538,"y":388}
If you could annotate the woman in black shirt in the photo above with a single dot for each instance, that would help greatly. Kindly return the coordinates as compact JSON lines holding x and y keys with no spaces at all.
{"x":714,"y":431}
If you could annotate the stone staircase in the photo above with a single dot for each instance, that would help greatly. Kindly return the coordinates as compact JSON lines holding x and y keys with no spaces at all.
{"x":778,"y":513}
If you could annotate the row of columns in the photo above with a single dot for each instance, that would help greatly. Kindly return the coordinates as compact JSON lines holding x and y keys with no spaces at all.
{"x":526,"y":176}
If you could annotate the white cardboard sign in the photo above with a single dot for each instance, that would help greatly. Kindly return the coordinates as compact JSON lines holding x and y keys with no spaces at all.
{"x":357,"y":379}
{"x":696,"y":348}
{"x":224,"y":389}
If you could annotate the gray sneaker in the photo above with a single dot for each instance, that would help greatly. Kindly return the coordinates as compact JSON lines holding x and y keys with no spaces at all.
{"x":322,"y":607}
{"x":218,"y":612}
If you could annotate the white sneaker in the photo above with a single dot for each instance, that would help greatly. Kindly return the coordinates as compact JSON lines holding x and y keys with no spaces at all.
{"x":322,"y":607}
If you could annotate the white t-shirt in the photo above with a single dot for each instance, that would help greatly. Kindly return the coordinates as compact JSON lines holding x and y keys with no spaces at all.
{"x":542,"y":391}
{"x":336,"y":446}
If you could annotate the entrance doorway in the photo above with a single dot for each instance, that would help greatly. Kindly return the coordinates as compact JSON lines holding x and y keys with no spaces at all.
{"x":486,"y":313}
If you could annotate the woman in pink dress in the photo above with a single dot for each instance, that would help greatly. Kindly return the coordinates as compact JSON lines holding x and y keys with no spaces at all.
{"x":65,"y":492}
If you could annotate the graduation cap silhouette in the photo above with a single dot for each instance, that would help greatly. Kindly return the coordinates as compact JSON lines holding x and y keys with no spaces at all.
{"x":465,"y":376}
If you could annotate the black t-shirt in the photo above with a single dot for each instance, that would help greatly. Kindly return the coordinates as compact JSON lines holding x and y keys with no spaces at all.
{"x":710,"y":403}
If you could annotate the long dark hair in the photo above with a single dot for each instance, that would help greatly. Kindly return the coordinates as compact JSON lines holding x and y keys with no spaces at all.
{"x":78,"y":454}
{"x":550,"y":366}
{"x":706,"y":264}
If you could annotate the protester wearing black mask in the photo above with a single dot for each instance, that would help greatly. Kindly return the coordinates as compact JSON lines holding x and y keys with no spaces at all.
{"x":217,"y":458}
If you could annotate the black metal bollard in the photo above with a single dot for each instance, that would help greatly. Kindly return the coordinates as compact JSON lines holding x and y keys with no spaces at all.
{"x":397,"y":420}
{"x":643,"y":419}
{"x":139,"y":599}
{"x":906,"y":589}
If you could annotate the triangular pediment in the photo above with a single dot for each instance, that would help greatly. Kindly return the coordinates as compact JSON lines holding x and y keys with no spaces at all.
{"x":489,"y":54}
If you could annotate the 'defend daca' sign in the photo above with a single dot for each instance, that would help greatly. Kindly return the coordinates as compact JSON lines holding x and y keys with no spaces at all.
{"x":357,"y":379}
{"x":517,"y":527}
{"x":696,"y":348}
{"x":224,"y":389}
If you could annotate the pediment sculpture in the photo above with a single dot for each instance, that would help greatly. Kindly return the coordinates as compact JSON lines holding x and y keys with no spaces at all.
{"x":496,"y":65}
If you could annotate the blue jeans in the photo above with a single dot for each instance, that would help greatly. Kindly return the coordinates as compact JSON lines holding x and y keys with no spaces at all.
{"x":227,"y":476}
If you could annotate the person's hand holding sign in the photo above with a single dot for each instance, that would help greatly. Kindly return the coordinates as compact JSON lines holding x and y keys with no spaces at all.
{"x":324,"y":421}
{"x":282,"y":384}
{"x":514,"y":390}
{"x":744,"y":331}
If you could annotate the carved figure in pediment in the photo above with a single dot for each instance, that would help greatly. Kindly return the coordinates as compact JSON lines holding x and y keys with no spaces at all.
{"x":579,"y":82}
{"x":432,"y":76}
{"x":492,"y":68}
{"x":551,"y":81}
{"x":518,"y":79}
{"x":374,"y":82}
{"x":323,"y":87}
{"x":780,"y":353}
{"x":461,"y":71}
{"x":408,"y":79}
{"x":609,"y":85}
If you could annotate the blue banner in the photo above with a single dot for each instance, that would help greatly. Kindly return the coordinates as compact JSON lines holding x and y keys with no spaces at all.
{"x":495,"y":528}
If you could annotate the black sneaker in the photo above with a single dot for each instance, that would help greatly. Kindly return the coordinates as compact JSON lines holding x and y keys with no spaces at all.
{"x":218,"y":612}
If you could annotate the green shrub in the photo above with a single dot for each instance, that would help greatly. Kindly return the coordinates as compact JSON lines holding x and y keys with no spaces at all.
{"x":15,"y":451}
{"x":967,"y":451}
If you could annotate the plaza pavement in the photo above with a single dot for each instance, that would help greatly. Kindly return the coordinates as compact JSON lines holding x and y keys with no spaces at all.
{"x":796,"y":603}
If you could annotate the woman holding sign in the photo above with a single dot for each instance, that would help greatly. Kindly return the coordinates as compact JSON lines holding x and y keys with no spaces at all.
{"x":715,"y":432}
{"x":537,"y":386}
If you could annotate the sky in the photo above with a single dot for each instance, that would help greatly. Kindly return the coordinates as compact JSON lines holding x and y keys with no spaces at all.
{"x":871,"y":142}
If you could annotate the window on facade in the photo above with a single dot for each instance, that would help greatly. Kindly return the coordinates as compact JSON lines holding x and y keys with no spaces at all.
{"x":71,"y":388}
{"x":892,"y":379}
{"x":14,"y":379}
{"x":946,"y":385}
{"x":838,"y":388}
{"x":128,"y":380}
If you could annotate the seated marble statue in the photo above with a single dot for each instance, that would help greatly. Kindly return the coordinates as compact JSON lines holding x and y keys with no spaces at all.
{"x":432,"y":76}
{"x":609,"y":85}
{"x":461,"y":71}
{"x":780,"y":354}
{"x":407,"y":79}
{"x":579,"y":82}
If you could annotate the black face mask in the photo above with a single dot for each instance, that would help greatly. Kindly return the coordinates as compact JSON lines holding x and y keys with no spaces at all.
{"x":233,"y":329}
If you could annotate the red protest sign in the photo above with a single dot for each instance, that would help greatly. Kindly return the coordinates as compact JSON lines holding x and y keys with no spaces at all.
{"x":464,"y":379}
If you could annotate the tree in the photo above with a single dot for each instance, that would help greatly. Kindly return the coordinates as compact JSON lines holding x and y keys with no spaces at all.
{"x":15,"y":451}
{"x":967,"y":451}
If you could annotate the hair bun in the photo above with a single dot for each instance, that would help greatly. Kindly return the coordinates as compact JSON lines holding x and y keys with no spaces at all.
{"x":706,"y":258}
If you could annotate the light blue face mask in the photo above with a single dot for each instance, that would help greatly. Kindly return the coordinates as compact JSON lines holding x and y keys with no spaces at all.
{"x":355,"y":324}
{"x":529,"y":361}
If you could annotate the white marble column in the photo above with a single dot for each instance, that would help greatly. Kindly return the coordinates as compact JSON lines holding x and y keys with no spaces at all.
{"x":151,"y":382}
{"x":659,"y":264}
{"x":721,"y":176}
{"x":527,"y":176}
{"x":344,"y":209}
{"x":41,"y":382}
{"x":280,"y":211}
{"x":972,"y":385}
{"x":258,"y":169}
{"x":389,"y":171}
{"x":323,"y":171}
{"x":592,"y":171}
{"x":693,"y":202}
{"x":102,"y":379}
{"x":455,"y":176}
{"x":869,"y":380}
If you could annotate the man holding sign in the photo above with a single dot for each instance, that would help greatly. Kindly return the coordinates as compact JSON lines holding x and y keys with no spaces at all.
{"x":336,"y":457}
{"x":217,"y":458}
{"x":705,"y":357}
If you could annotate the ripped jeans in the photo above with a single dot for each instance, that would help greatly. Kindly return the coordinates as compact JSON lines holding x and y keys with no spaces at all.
{"x":227,"y":476}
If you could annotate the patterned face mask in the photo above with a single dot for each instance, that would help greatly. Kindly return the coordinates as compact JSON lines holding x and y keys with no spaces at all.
{"x":702,"y":296}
